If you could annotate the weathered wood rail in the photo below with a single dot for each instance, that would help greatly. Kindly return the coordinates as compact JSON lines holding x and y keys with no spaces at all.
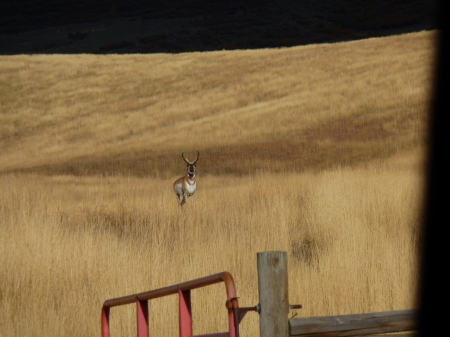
{"x":274,"y":307}
{"x":355,"y":325}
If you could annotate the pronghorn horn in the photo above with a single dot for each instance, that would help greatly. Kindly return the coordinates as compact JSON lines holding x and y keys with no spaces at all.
{"x":187,"y":161}
{"x":184,"y":158}
{"x":196,"y":159}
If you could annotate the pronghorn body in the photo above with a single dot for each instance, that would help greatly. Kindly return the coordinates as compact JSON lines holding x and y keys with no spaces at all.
{"x":186,"y":186}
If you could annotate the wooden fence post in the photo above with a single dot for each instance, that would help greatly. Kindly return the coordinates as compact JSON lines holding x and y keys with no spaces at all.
{"x":273,"y":294}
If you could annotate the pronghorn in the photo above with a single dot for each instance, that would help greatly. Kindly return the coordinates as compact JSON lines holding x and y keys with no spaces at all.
{"x":185,"y":186}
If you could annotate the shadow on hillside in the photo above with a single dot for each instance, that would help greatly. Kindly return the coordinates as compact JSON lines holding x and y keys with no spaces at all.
{"x":341,"y":142}
{"x":103,"y":27}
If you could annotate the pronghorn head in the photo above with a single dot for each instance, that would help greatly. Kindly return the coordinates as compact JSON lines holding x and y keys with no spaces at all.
{"x":191,"y":165}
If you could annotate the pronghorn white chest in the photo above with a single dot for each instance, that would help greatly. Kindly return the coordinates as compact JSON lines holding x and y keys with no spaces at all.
{"x":191,"y":186}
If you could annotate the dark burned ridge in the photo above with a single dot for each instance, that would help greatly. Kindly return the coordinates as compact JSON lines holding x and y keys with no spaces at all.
{"x":134,"y":26}
{"x":339,"y":143}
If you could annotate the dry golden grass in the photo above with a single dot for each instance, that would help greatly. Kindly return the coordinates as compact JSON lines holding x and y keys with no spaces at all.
{"x":314,"y":150}
{"x":90,"y":114}
{"x":71,"y":243}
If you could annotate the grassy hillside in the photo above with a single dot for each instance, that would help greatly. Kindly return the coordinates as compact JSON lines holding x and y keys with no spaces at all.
{"x":317,"y":151}
{"x":300,"y":108}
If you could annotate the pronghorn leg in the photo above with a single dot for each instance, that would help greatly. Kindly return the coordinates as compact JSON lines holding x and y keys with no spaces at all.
{"x":184,"y":199}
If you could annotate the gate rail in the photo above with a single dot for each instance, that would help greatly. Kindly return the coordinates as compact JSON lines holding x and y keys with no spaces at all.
{"x":273,"y":308}
{"x":185,"y":312}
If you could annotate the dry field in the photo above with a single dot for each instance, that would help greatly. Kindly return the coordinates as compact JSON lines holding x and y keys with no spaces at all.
{"x":314,"y":150}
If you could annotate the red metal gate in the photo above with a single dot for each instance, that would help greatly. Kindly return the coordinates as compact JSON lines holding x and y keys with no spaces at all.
{"x":185,"y":314}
